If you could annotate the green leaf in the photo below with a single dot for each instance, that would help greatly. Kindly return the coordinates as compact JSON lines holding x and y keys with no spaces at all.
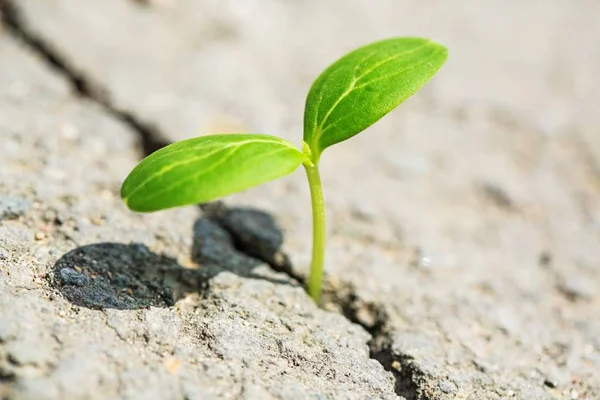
{"x":364,"y":85}
{"x":206,"y":168}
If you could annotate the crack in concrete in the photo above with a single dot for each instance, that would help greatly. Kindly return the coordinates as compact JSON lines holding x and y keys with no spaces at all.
{"x":151,"y":138}
{"x":340,"y":297}
{"x":374,"y":319}
{"x":371,"y":316}
{"x":406,"y":373}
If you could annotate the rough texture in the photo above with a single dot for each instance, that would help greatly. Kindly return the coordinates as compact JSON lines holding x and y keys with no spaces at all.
{"x":464,"y":229}
{"x":98,"y":302}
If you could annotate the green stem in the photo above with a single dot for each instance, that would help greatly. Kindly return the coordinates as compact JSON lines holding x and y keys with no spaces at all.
{"x":315,"y":279}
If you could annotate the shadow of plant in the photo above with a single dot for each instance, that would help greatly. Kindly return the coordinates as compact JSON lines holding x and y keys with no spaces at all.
{"x":115,"y":275}
{"x":130,"y":276}
{"x":252,"y":231}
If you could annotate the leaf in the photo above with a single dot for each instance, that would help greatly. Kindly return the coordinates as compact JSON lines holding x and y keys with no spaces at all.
{"x":206,"y":168}
{"x":364,"y":85}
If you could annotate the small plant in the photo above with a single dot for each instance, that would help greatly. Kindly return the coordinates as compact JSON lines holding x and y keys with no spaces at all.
{"x":348,"y":97}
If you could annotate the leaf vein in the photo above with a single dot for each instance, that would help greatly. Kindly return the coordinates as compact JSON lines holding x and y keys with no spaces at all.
{"x":381,"y":78}
{"x":338,"y":101}
{"x":206,"y":146}
{"x":171,"y":166}
{"x":194,"y":176}
{"x":138,"y":187}
{"x":353,"y":87}
{"x":391,"y":58}
{"x":226,"y":158}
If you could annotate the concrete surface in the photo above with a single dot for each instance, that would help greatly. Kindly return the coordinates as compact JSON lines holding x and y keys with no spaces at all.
{"x":98,"y":302}
{"x":464,"y":228}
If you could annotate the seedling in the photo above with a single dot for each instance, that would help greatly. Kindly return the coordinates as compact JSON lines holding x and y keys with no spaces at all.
{"x":348,"y":97}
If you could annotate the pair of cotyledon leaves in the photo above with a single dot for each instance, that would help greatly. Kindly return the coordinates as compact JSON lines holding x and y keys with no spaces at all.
{"x":349,"y":96}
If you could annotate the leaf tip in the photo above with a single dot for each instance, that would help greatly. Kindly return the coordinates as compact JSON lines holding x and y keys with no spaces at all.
{"x":440,"y":47}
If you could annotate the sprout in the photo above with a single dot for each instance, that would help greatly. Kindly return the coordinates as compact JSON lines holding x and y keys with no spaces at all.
{"x":348,"y":97}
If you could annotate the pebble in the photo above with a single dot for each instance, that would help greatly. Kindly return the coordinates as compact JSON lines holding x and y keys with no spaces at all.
{"x":172,"y":364}
{"x":550,"y":383}
{"x":255,"y":231}
{"x":72,"y":277}
{"x":39,"y":235}
{"x":447,"y":387}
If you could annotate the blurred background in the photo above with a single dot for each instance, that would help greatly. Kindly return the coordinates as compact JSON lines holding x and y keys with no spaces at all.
{"x":511,"y":120}
{"x":476,"y":199}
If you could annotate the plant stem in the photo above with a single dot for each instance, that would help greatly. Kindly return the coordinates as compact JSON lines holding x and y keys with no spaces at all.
{"x":315,"y":278}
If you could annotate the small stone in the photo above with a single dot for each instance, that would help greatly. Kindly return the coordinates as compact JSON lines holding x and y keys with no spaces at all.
{"x":96,"y":221}
{"x":396,"y":365}
{"x":172,"y":364}
{"x":366,"y":317}
{"x":39,"y":235}
{"x":279,"y":258}
{"x":447,"y":387}
{"x":72,"y":277}
{"x":550,"y":383}
{"x":254,"y":231}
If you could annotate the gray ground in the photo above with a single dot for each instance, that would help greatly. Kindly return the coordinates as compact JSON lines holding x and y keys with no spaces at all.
{"x":464,"y":228}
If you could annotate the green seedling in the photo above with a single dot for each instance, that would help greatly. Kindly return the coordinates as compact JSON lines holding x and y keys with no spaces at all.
{"x":348,"y":97}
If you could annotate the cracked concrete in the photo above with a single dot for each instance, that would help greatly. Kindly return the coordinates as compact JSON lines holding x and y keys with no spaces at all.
{"x":467,"y":249}
{"x":98,"y":302}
